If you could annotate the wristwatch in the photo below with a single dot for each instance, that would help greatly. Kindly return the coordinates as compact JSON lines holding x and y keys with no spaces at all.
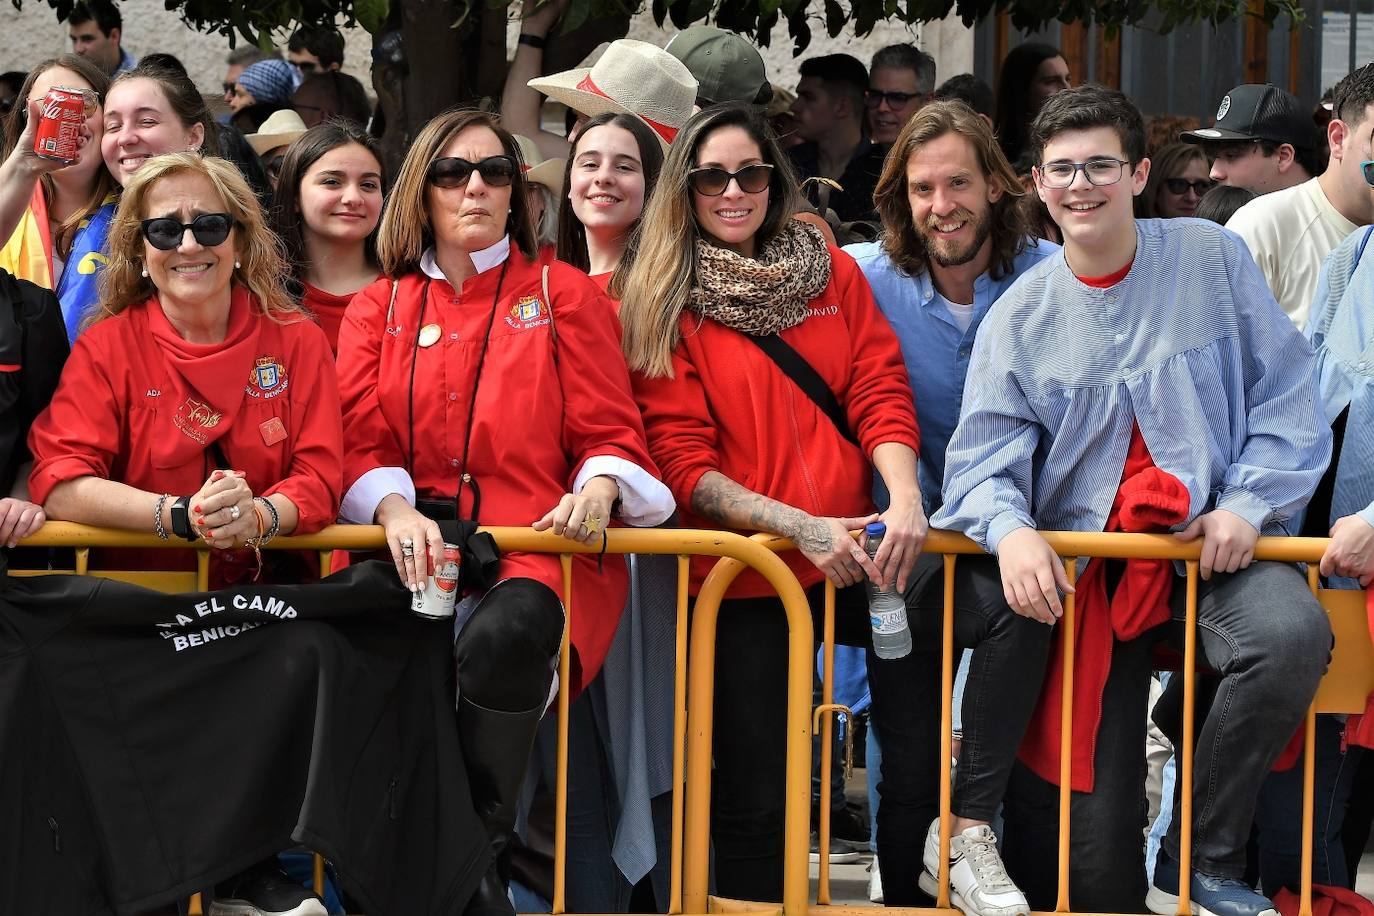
{"x":181,"y":519}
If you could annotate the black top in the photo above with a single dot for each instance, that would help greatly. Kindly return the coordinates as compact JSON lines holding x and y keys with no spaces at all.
{"x":859,"y":180}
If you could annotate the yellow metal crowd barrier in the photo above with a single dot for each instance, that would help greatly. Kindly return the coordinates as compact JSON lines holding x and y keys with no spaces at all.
{"x":1348,"y":682}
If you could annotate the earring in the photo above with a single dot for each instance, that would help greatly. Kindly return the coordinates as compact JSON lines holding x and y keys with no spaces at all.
{"x":237,"y":265}
{"x":145,"y":272}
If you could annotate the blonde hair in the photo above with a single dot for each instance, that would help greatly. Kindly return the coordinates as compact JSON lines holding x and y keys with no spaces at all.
{"x":263,"y":270}
{"x":406,"y":227}
{"x":656,"y":275}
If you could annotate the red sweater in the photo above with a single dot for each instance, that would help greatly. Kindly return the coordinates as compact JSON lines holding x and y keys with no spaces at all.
{"x":729,"y":408}
{"x":113,"y":416}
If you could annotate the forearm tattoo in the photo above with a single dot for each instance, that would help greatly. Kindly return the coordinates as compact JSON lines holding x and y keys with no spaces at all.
{"x":720,"y":499}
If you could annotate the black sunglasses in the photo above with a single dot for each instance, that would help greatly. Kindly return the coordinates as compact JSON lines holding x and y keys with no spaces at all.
{"x":873,"y":98}
{"x":1180,"y":186}
{"x":712,"y":181}
{"x":452,"y":172}
{"x":228,"y":88}
{"x":210,"y":229}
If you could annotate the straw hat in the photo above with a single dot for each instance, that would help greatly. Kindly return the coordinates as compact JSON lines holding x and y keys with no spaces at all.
{"x":632,"y":77}
{"x":538,"y":170}
{"x":282,"y":128}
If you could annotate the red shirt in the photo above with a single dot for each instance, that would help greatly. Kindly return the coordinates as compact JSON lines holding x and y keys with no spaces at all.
{"x":113,"y":415}
{"x":729,"y":408}
{"x":540,"y":412}
{"x":327,"y":309}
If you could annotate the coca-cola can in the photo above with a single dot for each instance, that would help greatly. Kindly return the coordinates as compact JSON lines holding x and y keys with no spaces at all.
{"x":58,"y":130}
{"x":437,"y":599}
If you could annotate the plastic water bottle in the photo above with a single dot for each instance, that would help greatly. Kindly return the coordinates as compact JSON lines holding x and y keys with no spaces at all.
{"x":886,"y":607}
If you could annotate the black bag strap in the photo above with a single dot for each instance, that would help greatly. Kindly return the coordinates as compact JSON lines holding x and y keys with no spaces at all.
{"x":795,"y":367}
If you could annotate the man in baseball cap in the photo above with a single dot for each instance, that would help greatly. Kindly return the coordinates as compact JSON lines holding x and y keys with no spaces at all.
{"x":727,"y":67}
{"x":1263,"y":140}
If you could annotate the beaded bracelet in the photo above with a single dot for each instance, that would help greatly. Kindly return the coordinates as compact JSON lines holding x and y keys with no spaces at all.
{"x":157,"y":516}
{"x":273,"y":528}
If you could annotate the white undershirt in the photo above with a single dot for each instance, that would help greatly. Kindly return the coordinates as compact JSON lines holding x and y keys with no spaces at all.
{"x":962,"y":314}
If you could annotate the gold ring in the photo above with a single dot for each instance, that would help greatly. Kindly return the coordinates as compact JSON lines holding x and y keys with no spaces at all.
{"x":591,"y":524}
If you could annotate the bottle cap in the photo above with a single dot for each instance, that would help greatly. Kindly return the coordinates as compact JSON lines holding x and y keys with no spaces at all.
{"x":875,"y":529}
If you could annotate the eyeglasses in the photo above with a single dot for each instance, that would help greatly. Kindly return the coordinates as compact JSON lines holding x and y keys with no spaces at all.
{"x":874,"y":98}
{"x":713,"y":181}
{"x":452,"y":172}
{"x":1367,"y":167}
{"x":228,"y":88}
{"x":165,"y":233}
{"x":1181,"y":186}
{"x":1100,"y":171}
{"x":306,"y":67}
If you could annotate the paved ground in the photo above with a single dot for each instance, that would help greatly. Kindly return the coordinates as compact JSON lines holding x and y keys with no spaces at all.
{"x":849,"y":883}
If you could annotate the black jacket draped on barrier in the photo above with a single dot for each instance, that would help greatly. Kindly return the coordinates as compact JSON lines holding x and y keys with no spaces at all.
{"x":153,"y":744}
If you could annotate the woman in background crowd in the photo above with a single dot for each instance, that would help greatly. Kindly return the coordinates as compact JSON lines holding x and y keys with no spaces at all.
{"x":544,"y":183}
{"x":56,"y":215}
{"x":1179,"y":177}
{"x":1031,"y":73}
{"x":326,"y":211}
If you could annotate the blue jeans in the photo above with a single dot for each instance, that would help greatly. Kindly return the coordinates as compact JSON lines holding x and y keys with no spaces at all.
{"x":1269,"y":641}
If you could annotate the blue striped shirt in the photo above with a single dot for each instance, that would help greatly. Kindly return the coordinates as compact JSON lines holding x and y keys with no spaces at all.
{"x":1190,"y":345}
{"x":1341,"y":327}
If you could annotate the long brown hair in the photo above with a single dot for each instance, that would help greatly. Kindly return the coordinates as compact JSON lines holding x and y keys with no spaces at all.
{"x":182,"y":95}
{"x":654,"y":280}
{"x":902,"y":243}
{"x":406,"y":228}
{"x":102,"y":185}
{"x":263,"y":273}
{"x":572,"y":235}
{"x":308,"y":149}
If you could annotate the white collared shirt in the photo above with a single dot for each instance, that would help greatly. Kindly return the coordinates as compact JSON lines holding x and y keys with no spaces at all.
{"x":483,"y":260}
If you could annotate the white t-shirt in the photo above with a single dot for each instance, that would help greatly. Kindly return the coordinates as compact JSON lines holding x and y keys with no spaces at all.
{"x":962,"y":314}
{"x":1289,"y":234}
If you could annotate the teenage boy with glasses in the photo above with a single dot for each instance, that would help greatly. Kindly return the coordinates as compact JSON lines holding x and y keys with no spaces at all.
{"x":1144,"y":378}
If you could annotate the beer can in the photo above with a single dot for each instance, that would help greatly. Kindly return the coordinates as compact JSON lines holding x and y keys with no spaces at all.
{"x":58,"y":130}
{"x":436,"y":601}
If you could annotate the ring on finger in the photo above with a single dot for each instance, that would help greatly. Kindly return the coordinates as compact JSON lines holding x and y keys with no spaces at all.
{"x":234,"y":513}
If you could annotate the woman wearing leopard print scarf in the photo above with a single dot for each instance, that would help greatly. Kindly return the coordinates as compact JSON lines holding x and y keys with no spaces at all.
{"x":719,"y":269}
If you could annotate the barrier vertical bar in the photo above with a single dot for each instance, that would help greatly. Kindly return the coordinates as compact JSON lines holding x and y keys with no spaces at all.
{"x":560,"y":817}
{"x":1185,"y":827}
{"x":82,"y":561}
{"x":1066,"y":738}
{"x":679,"y":735}
{"x":1309,"y":773}
{"x":827,"y":736}
{"x":946,"y":730}
{"x":203,"y":570}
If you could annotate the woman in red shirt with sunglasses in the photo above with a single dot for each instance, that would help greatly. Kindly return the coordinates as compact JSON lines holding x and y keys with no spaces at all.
{"x":479,"y":384}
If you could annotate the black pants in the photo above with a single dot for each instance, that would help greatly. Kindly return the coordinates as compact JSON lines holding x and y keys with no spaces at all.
{"x":1268,"y":639}
{"x":506,"y":647}
{"x":748,"y":795}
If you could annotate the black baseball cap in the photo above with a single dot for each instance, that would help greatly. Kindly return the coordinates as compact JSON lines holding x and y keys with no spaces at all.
{"x":1258,"y":112}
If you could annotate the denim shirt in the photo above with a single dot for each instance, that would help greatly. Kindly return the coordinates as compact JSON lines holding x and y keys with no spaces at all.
{"x":935,"y":350}
{"x":1340,"y":325}
{"x":1190,"y":345}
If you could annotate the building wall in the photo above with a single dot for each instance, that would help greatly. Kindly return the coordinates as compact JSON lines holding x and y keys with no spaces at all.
{"x":33,"y":33}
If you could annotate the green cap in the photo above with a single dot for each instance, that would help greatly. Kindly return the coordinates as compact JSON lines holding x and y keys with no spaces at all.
{"x":727,"y":67}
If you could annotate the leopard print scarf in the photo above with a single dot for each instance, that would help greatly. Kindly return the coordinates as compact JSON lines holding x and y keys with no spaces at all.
{"x":767,"y":294}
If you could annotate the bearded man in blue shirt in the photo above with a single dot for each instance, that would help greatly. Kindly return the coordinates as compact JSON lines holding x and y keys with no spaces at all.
{"x":1155,"y":344}
{"x":953,"y":240}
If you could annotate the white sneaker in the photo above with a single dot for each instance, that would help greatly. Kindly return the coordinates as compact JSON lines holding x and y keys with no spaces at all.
{"x":978,"y":882}
{"x":875,"y":883}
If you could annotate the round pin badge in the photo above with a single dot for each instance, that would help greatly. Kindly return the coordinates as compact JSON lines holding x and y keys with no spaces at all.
{"x":430,"y":334}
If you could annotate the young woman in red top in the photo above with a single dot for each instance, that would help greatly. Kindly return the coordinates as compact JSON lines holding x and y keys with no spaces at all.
{"x":460,"y":402}
{"x":199,"y":401}
{"x":326,"y":210}
{"x":611,"y":171}
{"x":719,"y":259}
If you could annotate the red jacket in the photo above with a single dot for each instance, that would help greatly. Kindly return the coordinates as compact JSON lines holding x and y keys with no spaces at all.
{"x":113,"y":415}
{"x":729,"y":408}
{"x":539,"y":415}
